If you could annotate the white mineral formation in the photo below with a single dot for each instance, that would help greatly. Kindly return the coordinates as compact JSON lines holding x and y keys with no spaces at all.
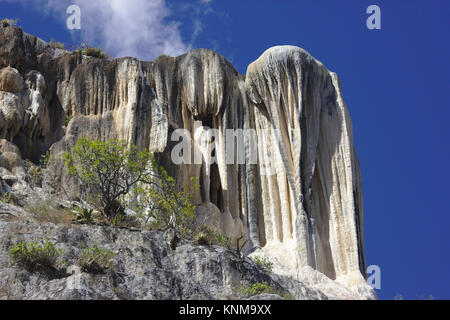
{"x":313,"y":203}
{"x":300,"y":204}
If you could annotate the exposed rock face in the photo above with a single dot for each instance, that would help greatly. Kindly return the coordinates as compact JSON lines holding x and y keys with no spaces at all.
{"x":316,"y":211}
{"x":293,"y":193}
{"x":11,"y":81}
{"x":145,"y":267}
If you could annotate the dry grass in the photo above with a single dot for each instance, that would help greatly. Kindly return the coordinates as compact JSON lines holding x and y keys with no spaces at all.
{"x":44,"y":212}
{"x":57,"y":45}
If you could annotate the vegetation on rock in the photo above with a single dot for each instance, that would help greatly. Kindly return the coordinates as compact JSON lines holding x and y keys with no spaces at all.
{"x":37,"y":256}
{"x":9,"y":22}
{"x":115,"y":176}
{"x":67,"y":119}
{"x":264,"y":263}
{"x":95,"y":52}
{"x":258,"y":288}
{"x":207,"y":236}
{"x":7,"y":198}
{"x":84,"y":215}
{"x":57,"y":45}
{"x":96,"y":260}
{"x":162,"y":57}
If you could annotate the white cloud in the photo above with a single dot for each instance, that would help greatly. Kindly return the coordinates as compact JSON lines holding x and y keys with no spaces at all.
{"x":138,"y":28}
{"x":193,"y":12}
{"x":132,"y":27}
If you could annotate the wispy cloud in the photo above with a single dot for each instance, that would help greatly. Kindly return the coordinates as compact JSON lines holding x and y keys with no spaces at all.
{"x":193,"y":13}
{"x":138,"y":28}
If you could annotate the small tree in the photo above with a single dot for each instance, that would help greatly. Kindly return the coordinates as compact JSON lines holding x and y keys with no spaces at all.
{"x":36,"y":172}
{"x":95,"y":52}
{"x":114,"y":175}
{"x":57,"y":45}
{"x":5,"y":23}
{"x":264,"y":263}
{"x":164,"y":206}
{"x":96,"y":259}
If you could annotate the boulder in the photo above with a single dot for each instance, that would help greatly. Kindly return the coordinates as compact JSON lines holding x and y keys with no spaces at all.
{"x":11,"y":80}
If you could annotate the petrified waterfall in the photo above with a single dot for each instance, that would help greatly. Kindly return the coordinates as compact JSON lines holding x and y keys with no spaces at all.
{"x":296,"y":195}
{"x":312,"y":204}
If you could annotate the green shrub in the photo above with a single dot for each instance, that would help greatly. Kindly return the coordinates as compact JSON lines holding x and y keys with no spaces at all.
{"x":36,"y":172}
{"x":169,"y":208}
{"x":264,"y":263}
{"x":7,"y":198}
{"x":67,"y":119}
{"x":9,"y":22}
{"x":95,"y":52}
{"x":125,"y":221}
{"x":207,"y":236}
{"x":202,"y":238}
{"x":84,"y":215}
{"x":37,"y":256}
{"x":96,"y":260}
{"x":5,"y":23}
{"x":114,"y":175}
{"x":163,"y":57}
{"x":258,"y":288}
{"x":11,"y":198}
{"x":221,"y":240}
{"x":91,"y":52}
{"x":107,"y":172}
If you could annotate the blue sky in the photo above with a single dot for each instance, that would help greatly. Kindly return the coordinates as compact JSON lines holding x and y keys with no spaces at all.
{"x":395,"y":82}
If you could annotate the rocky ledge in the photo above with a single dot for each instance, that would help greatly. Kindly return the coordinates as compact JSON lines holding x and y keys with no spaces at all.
{"x":146,"y":267}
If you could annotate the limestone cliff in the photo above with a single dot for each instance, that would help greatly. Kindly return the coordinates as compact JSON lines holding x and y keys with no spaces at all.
{"x":294,"y":193}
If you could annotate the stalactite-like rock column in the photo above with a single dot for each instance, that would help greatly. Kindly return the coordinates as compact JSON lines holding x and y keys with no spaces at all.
{"x":311,"y":196}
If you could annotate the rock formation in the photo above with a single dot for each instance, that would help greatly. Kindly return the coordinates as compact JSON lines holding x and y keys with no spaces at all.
{"x":317,"y":210}
{"x":146,"y":268}
{"x":292,"y":191}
